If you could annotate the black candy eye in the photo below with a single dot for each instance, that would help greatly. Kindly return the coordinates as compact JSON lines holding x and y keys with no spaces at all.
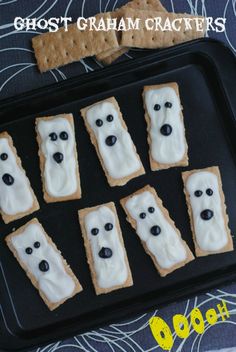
{"x":209,"y":192}
{"x":142,"y":215}
{"x":28,"y":250}
{"x":110,"y":118}
{"x":64,"y":135}
{"x":157,"y":107}
{"x":198,"y":193}
{"x":168,"y":104}
{"x":94,"y":231}
{"x":53,"y":136}
{"x":36,"y":244}
{"x":99,"y":122}
{"x":151,"y":210}
{"x":108,"y":226}
{"x":4,"y":156}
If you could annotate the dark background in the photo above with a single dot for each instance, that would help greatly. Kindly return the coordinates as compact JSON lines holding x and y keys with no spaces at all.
{"x":18,"y":73}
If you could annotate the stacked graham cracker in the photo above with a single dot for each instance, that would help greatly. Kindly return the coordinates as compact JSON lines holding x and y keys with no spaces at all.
{"x":60,"y":48}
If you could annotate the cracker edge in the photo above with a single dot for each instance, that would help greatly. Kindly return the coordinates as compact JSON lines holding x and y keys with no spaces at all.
{"x":78,"y":287}
{"x":162,"y":272}
{"x":42,"y":160}
{"x":155,"y":166}
{"x":128,"y":41}
{"x":64,"y":61}
{"x":112,"y":181}
{"x":229,"y":246}
{"x":35,"y":206}
{"x":129,"y":281}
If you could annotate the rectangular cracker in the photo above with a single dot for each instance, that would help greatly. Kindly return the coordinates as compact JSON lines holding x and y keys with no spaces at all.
{"x":153,"y":163}
{"x":108,"y":56}
{"x":162,"y":271}
{"x":229,"y":247}
{"x":51,"y":305}
{"x":55,"y":49}
{"x":112,"y":181}
{"x":47,"y":197}
{"x":99,"y":290}
{"x":35,"y":206}
{"x":151,"y":39}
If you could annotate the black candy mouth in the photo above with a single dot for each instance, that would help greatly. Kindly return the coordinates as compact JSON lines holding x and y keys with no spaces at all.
{"x":105,"y":253}
{"x":207,"y":214}
{"x":58,"y":157}
{"x":111,"y":140}
{"x":44,"y":266}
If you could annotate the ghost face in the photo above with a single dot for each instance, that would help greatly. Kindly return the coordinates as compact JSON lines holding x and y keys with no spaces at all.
{"x":44,"y":263}
{"x":206,"y":204}
{"x":15,"y":193}
{"x":107,"y":250}
{"x":114,"y":142}
{"x":168,"y":143}
{"x":58,"y":143}
{"x":160,"y":236}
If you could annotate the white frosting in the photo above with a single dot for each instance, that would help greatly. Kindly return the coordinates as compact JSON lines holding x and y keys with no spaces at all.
{"x":167,"y":247}
{"x":120,"y":160}
{"x":17,"y":197}
{"x":165,"y":149}
{"x":56,"y":283}
{"x":60,"y":179}
{"x":110,"y":271}
{"x":211,"y":235}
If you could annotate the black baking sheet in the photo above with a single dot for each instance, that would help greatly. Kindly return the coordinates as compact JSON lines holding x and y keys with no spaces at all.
{"x":206,"y":73}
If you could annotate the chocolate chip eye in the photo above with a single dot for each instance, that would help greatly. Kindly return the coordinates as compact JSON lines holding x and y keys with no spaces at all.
{"x":64,"y":135}
{"x":110,"y":118}
{"x":28,"y":250}
{"x":53,"y":136}
{"x":94,"y":231}
{"x":157,"y":107}
{"x":168,"y":104}
{"x":36,"y":244}
{"x":4,"y":156}
{"x":209,"y":192}
{"x":108,"y":226}
{"x":151,"y":210}
{"x":99,"y":122}
{"x":142,"y":215}
{"x":198,"y":193}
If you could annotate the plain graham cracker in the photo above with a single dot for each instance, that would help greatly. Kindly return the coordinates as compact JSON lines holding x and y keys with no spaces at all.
{"x":78,"y":288}
{"x":152,"y":39}
{"x":35,"y":206}
{"x":99,"y":290}
{"x":153,"y":163}
{"x":55,"y":49}
{"x":229,"y":246}
{"x":108,"y":56}
{"x":42,"y":160}
{"x":112,"y":181}
{"x":189,"y":256}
